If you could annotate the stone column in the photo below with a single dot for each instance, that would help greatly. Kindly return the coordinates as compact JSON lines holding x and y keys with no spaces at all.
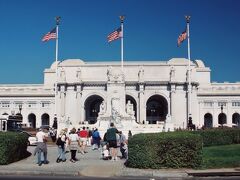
{"x":216,"y":112}
{"x":141,"y":105}
{"x":200,"y":116}
{"x":172,"y":99}
{"x":78,"y":103}
{"x":79,"y":107}
{"x":228,"y":113}
{"x":62,"y":102}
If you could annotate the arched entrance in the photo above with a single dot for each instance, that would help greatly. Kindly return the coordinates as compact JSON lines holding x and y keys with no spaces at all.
{"x":132,"y":100}
{"x":45,"y":119}
{"x":222,"y":119}
{"x":208,"y":120}
{"x":236,"y":119}
{"x":92,"y":105}
{"x":32,"y":120}
{"x":157,"y":109}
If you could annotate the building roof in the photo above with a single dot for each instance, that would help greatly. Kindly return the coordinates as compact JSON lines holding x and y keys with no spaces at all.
{"x":72,"y":62}
{"x":199,"y":63}
{"x":54,"y":64}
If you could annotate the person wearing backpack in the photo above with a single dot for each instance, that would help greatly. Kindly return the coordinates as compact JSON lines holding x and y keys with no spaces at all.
{"x":61,"y":140}
{"x":96,"y":139}
{"x":112,"y":140}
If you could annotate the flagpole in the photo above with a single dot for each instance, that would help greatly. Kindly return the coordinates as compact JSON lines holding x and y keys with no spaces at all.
{"x":189,"y":71}
{"x":122,"y":18}
{"x":56,"y":62}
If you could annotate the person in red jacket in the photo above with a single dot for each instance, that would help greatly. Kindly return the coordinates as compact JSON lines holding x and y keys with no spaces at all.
{"x":83,"y":134}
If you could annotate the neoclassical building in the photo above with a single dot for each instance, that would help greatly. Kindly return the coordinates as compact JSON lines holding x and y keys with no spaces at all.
{"x":145,"y":96}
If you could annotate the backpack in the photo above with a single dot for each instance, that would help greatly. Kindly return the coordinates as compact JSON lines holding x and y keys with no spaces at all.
{"x":59,"y":141}
{"x":95,"y":134}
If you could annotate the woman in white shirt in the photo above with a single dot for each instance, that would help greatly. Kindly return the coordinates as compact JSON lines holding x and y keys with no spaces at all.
{"x":73,"y":144}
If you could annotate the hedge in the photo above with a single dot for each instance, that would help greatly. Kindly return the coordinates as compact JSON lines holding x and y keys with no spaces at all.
{"x":13,"y":147}
{"x":225,"y":136}
{"x":165,"y":150}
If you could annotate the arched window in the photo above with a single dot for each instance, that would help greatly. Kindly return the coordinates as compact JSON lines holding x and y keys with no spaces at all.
{"x":157,"y":109}
{"x":92,"y":107}
{"x":45,"y":119}
{"x":222,"y":119}
{"x":208,"y":120}
{"x":32,"y":120}
{"x":236,"y":119}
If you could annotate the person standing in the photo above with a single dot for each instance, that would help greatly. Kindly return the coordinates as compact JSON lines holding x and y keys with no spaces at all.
{"x":83,"y":134}
{"x":41,"y":147}
{"x":61,"y":146}
{"x":89,"y":137}
{"x":73,"y":144}
{"x":96,"y":139}
{"x":129,"y":134}
{"x":53,"y":134}
{"x":112,"y":140}
{"x":123,"y":145}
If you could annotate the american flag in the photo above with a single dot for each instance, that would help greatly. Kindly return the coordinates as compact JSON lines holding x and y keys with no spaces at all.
{"x":50,"y":35}
{"x":115,"y":35}
{"x":182,"y":37}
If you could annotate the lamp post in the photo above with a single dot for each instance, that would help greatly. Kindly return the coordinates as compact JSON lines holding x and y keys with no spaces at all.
{"x":122,"y":19}
{"x":189,"y":118}
{"x":20,"y":108}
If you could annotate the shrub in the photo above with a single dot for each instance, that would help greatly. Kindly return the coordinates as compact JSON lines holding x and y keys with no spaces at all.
{"x":13,"y":147}
{"x":165,"y":150}
{"x":225,"y":136}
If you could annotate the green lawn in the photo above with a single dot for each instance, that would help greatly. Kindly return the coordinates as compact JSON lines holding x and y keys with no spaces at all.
{"x":221,"y":156}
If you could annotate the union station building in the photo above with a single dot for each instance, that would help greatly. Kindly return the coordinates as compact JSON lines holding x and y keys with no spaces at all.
{"x":143,"y":96}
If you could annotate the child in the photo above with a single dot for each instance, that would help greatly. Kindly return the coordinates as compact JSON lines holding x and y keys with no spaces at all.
{"x":105,"y":153}
{"x":124,"y":151}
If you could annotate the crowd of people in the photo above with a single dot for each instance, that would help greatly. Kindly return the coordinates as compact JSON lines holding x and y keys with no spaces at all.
{"x":74,"y":141}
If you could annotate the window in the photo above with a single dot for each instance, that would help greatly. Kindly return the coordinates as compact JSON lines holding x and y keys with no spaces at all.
{"x":208,"y":104}
{"x":17,"y":104}
{"x":222,"y":104}
{"x":235,"y":103}
{"x":5,"y":104}
{"x":32,"y":104}
{"x":45,"y":104}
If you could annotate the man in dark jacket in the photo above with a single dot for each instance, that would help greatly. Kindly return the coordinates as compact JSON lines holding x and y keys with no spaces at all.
{"x":112,"y":140}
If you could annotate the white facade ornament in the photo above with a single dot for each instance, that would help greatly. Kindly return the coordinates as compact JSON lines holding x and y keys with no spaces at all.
{"x":141,"y":74}
{"x":78,"y":75}
{"x":115,"y":75}
{"x":172,"y":73}
{"x":102,"y":108}
{"x":115,"y":116}
{"x":62,"y":76}
{"x":115,"y":110}
{"x":129,"y":108}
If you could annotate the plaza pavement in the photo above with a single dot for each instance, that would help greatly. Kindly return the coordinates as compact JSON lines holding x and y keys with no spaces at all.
{"x":91,"y":164}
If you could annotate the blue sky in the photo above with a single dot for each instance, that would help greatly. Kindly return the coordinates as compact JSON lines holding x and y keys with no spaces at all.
{"x":151,"y":29}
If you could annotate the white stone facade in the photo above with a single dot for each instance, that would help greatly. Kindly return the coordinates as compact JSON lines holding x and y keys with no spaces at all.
{"x":141,"y":97}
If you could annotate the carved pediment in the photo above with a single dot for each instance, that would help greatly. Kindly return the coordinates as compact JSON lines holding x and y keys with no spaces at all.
{"x":115,"y":75}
